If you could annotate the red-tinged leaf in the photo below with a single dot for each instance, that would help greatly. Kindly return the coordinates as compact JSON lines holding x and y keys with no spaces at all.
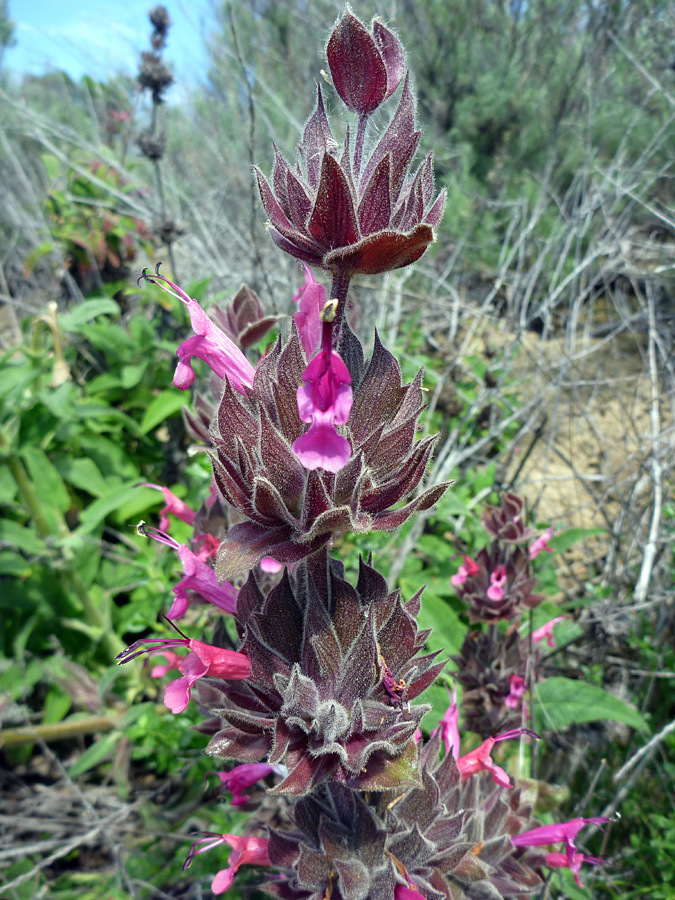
{"x":435,"y":214}
{"x":279,"y":180}
{"x":244,"y":545}
{"x":398,"y":137}
{"x":257,"y":330}
{"x":356,"y":66}
{"x":380,"y":252}
{"x":414,"y":208}
{"x":404,"y":481}
{"x":382,"y":774}
{"x":299,"y":201}
{"x":316,"y":139}
{"x":273,"y":208}
{"x":306,"y":775}
{"x":392,"y":53}
{"x":232,"y":743}
{"x":427,"y":178}
{"x":333,"y":220}
{"x":297,"y":247}
{"x":393,"y":519}
{"x":247,"y":306}
{"x":375,"y":205}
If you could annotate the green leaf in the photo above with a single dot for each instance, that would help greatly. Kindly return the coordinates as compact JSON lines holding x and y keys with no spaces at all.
{"x":93,"y":515}
{"x":566,"y":539}
{"x":22,"y":538}
{"x":563,"y":701}
{"x":85,"y":312}
{"x":8,"y":488}
{"x":84,"y":474}
{"x":165,"y":405}
{"x":448,"y":632}
{"x":13,"y":564}
{"x":95,"y":754}
{"x":46,"y":478}
{"x":132,"y":374}
{"x":56,"y":705}
{"x":437,"y":696}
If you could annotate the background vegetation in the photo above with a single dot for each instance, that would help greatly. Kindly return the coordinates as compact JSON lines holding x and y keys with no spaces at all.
{"x":544,"y":317}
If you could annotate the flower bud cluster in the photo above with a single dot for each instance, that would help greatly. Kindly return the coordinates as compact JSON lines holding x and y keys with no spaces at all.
{"x":496,"y":668}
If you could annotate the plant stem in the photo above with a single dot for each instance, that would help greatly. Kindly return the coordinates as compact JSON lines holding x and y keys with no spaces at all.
{"x":358,"y":148}
{"x":58,"y":731}
{"x":338,"y":291}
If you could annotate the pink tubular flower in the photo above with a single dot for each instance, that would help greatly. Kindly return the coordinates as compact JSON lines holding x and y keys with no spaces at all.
{"x":198,"y":577}
{"x":467,"y":570}
{"x":325,"y":400}
{"x":562,"y":860}
{"x":479,"y":760}
{"x":249,"y":850}
{"x":518,"y":688}
{"x":497,"y":581}
{"x":541,"y":543}
{"x":241,"y":777}
{"x":551,"y":834}
{"x":174,"y":506}
{"x":449,"y":725}
{"x":208,"y":343}
{"x":311,"y":298}
{"x":546,"y":631}
{"x":203,"y":659}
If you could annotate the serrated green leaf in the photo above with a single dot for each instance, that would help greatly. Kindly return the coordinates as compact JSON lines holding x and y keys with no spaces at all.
{"x":95,"y":754}
{"x":165,"y":405}
{"x":85,"y":312}
{"x":561,"y":702}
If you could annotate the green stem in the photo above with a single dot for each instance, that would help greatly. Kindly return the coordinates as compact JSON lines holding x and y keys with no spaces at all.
{"x":29,"y":495}
{"x":58,"y":731}
{"x":93,"y":615}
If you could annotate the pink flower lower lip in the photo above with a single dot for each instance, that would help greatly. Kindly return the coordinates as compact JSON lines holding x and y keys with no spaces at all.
{"x":325,"y":400}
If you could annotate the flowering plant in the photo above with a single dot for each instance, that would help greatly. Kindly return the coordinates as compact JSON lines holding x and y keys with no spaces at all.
{"x":314,"y":688}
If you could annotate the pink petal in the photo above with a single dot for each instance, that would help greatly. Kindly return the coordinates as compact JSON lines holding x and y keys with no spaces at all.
{"x":177,"y":693}
{"x":174,"y":507}
{"x":311,"y":298}
{"x":223,"y":880}
{"x":216,"y":349}
{"x":546,"y":631}
{"x":322,"y":448}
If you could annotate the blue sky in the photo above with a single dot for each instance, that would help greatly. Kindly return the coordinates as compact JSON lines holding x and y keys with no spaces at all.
{"x":101,"y":38}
